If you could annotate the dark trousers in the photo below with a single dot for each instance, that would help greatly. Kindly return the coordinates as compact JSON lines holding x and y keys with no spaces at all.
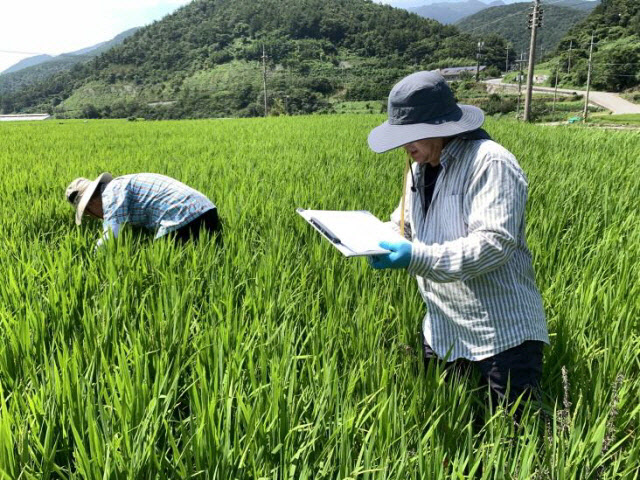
{"x":207,"y":221}
{"x":508,"y":374}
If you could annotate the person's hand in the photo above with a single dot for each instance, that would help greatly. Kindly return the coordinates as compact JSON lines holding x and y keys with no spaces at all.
{"x":100,"y":245}
{"x":399,"y":256}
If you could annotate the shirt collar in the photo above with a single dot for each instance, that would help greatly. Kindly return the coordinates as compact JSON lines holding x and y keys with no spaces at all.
{"x":451,"y":151}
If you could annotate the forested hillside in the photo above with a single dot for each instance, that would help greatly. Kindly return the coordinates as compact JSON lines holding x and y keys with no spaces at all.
{"x":615,"y":25}
{"x":510,"y":21}
{"x":205,"y":60}
{"x":586,"y":5}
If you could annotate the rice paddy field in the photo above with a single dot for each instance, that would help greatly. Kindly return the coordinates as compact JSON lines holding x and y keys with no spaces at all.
{"x":274,"y":357}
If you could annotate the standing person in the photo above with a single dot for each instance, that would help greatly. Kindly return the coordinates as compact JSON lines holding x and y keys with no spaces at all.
{"x":148,"y":200}
{"x":464,"y":218}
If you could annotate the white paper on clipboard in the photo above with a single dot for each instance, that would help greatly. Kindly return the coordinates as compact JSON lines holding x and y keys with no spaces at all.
{"x":354,"y":232}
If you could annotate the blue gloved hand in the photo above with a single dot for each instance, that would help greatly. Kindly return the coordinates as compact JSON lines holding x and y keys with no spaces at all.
{"x":399,"y":257}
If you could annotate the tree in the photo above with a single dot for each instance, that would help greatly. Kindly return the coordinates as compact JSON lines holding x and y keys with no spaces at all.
{"x":90,"y":111}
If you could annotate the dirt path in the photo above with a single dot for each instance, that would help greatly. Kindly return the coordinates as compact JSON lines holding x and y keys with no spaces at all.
{"x":608,"y":100}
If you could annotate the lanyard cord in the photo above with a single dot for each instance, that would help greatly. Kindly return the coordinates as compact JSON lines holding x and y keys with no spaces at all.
{"x":407,"y":169}
{"x":413,"y":186}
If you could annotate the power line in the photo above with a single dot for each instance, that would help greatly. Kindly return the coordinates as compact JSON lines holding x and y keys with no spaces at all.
{"x":69,"y":55}
{"x":620,"y":75}
{"x":21,"y":53}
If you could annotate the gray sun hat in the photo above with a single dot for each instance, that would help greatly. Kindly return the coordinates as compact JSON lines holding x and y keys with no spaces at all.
{"x":421,"y":106}
{"x":80,"y":191}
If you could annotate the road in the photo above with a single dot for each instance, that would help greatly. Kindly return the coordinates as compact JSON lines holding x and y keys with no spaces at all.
{"x":608,"y":100}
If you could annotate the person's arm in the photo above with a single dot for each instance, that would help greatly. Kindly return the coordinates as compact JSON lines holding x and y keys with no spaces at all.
{"x":495,"y":202}
{"x":114,"y":211}
{"x":111,"y":228}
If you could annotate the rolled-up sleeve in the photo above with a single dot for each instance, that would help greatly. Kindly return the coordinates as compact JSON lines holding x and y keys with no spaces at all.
{"x":494,"y":206}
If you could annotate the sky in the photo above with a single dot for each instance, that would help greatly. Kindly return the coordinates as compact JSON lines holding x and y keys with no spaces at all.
{"x":59,"y":26}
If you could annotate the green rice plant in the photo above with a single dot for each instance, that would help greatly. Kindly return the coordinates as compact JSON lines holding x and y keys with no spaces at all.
{"x":274,"y":357}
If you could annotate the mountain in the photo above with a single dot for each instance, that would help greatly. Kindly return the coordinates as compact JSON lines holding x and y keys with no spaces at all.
{"x":35,"y":69}
{"x":27,"y":62}
{"x":615,"y":26}
{"x":204,"y":60}
{"x":451,"y":12}
{"x":587,"y":6}
{"x":413,"y":4}
{"x":510,"y":21}
{"x":455,"y":11}
{"x":407,"y":4}
{"x":102,"y":47}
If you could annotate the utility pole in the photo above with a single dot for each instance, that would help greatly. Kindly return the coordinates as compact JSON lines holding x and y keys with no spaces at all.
{"x":570,"y":48}
{"x":535,"y":21}
{"x":520,"y":74}
{"x":506,"y":67}
{"x":480,"y":46}
{"x":264,"y":79}
{"x":586,"y":98}
{"x":555,"y":92}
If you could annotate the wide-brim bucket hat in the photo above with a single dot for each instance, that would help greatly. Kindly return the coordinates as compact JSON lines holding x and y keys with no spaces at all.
{"x":80,"y":191}
{"x":422,"y":106}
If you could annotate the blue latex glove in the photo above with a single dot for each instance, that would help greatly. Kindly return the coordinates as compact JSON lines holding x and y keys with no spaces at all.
{"x":399,"y":257}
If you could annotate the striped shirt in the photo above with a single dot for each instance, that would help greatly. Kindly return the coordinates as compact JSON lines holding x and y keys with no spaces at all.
{"x":151,"y":201}
{"x":470,"y":255}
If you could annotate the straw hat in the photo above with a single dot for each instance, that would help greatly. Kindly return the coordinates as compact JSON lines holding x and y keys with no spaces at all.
{"x":422,"y":106}
{"x":80,"y":191}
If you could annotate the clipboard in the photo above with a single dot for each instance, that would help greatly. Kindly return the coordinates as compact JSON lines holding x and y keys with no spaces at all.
{"x":355,"y":233}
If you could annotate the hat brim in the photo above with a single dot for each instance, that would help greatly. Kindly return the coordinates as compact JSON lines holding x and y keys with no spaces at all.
{"x":88,"y":193}
{"x":387,"y":137}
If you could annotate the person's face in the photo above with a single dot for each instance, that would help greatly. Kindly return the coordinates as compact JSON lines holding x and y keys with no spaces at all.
{"x":426,"y":151}
{"x":94,"y":207}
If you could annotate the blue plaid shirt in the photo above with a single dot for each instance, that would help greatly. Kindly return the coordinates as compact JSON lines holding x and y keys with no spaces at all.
{"x":152,"y":201}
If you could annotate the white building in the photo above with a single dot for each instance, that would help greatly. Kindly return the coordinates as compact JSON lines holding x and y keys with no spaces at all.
{"x":454,"y":73}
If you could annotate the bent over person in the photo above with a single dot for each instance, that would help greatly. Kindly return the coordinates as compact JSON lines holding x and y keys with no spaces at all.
{"x":464,"y":218}
{"x":156,"y":202}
